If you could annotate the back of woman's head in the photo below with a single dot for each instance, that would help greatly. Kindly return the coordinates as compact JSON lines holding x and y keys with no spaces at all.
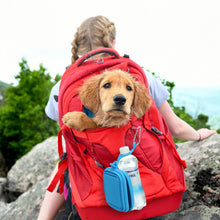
{"x":93,"y":33}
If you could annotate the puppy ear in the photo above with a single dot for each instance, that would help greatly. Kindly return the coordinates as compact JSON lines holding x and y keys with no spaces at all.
{"x":142,"y":100}
{"x":89,"y":93}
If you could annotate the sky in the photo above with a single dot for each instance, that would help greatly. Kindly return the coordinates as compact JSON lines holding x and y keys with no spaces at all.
{"x":180,"y":40}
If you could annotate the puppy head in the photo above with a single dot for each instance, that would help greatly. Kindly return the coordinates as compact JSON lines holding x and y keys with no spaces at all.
{"x":115,"y":93}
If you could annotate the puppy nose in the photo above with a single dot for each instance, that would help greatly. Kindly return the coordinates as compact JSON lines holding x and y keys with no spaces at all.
{"x":119,"y":99}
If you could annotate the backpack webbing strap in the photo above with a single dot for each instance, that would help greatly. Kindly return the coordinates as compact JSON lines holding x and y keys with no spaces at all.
{"x":62,"y":166}
{"x":59,"y":176}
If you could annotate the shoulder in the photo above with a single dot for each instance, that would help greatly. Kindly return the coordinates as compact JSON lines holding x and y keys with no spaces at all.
{"x":158,"y":91}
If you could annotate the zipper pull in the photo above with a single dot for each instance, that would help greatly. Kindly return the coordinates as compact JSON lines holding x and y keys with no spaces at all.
{"x":156,"y":131}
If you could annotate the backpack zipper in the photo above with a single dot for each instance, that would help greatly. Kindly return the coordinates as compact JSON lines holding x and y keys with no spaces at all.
{"x":156,"y":133}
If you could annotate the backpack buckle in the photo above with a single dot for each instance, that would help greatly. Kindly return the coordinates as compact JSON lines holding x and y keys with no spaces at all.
{"x":99,"y":61}
{"x":63,"y":157}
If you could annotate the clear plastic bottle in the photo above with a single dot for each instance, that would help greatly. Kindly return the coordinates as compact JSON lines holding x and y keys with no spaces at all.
{"x":129,"y":164}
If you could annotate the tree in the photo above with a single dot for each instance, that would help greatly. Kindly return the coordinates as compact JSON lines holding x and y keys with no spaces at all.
{"x":23,"y":120}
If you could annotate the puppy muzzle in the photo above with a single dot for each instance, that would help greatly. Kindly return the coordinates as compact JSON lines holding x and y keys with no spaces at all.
{"x":119,"y":100}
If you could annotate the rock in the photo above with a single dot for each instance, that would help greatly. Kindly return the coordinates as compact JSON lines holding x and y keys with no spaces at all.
{"x":3,"y":167}
{"x":199,"y":212}
{"x":203,"y":172}
{"x":26,"y":206}
{"x":201,"y":200}
{"x":32,"y":168}
{"x":3,"y":182}
{"x":30,"y":176}
{"x":28,"y":179}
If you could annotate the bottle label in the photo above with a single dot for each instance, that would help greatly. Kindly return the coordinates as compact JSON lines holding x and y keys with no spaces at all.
{"x":139,"y":195}
{"x":135,"y":180}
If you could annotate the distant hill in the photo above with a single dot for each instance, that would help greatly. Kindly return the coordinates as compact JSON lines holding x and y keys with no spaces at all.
{"x":2,"y":90}
{"x":197,"y":100}
{"x":3,"y":85}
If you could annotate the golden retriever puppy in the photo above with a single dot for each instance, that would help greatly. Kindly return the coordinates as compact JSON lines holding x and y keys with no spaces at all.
{"x":113,"y":97}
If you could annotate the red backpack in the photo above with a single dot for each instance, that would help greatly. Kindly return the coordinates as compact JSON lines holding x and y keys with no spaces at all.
{"x":160,"y":166}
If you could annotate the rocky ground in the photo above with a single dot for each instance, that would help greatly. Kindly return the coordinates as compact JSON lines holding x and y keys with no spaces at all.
{"x":22,"y":190}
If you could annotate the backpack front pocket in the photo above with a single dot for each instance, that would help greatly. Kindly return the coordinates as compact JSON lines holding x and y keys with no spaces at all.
{"x":149,"y":150}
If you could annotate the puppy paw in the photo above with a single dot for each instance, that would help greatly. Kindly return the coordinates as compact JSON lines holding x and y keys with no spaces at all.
{"x":74,"y":120}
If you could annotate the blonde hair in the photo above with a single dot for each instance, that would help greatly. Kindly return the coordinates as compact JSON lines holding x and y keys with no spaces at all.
{"x":93,"y":33}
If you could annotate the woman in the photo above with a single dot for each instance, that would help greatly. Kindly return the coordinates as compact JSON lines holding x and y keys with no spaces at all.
{"x":98,"y":32}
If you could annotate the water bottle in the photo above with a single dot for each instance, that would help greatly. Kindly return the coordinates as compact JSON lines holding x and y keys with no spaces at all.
{"x":129,"y":164}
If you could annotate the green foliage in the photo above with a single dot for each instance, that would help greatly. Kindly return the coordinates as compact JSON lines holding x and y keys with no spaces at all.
{"x":23,"y":120}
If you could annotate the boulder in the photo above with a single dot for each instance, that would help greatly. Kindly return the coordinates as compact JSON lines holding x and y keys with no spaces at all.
{"x":30,"y":176}
{"x":203,"y":172}
{"x":3,"y":182}
{"x":32,"y":168}
{"x":202,"y":198}
{"x":3,"y":167}
{"x":27,"y":205}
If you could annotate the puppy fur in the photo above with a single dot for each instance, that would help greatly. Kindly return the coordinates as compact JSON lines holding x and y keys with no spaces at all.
{"x":113,"y":97}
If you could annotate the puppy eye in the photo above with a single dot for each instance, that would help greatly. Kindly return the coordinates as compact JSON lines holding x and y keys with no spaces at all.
{"x":128,"y":88}
{"x":107,"y":85}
